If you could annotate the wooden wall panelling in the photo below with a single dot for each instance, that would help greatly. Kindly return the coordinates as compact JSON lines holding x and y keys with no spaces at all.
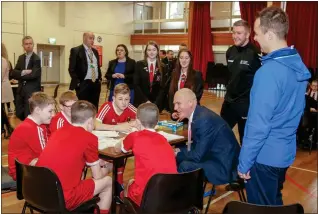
{"x":176,"y":39}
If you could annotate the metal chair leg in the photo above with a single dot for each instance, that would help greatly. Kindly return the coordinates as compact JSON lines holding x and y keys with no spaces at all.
{"x":204,"y":185}
{"x":24,"y":207}
{"x":239,"y":193}
{"x":243,"y":196}
{"x":210,"y":198}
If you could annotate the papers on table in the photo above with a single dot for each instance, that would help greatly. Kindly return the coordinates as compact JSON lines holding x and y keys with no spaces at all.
{"x":107,"y":139}
{"x":108,"y":142}
{"x":170,"y":137}
{"x":105,"y":134}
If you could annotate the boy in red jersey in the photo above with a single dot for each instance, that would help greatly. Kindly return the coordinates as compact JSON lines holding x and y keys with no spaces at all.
{"x":30,"y":137}
{"x":116,"y":115}
{"x":69,"y":150}
{"x":153,"y":153}
{"x":63,"y":118}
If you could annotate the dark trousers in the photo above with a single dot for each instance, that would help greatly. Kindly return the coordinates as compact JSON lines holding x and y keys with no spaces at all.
{"x":187,"y":166}
{"x":4,"y":118}
{"x":89,"y":91}
{"x":235,"y":113}
{"x":22,"y":103}
{"x":265,"y":185}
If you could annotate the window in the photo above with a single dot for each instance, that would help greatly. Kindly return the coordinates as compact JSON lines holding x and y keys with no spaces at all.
{"x":175,"y":10}
{"x":160,"y":17}
{"x":223,"y":15}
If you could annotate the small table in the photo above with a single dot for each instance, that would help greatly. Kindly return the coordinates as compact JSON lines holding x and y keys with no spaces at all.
{"x":110,"y":154}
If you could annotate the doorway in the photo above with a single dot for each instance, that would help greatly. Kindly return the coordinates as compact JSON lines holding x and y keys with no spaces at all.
{"x":50,"y":63}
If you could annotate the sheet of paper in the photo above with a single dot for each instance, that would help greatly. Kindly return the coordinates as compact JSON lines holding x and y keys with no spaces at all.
{"x":108,"y":142}
{"x":170,"y":137}
{"x":105,"y":134}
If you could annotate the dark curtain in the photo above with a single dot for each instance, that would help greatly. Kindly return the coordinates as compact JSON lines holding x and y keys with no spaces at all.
{"x":303,"y":30}
{"x":249,"y":12}
{"x":200,"y":36}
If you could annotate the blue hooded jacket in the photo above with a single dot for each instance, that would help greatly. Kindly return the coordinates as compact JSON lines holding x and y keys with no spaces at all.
{"x":277,"y":102}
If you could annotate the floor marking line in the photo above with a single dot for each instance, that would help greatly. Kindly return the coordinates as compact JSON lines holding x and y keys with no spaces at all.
{"x":307,"y":170}
{"x":305,"y":190}
{"x":219,"y":198}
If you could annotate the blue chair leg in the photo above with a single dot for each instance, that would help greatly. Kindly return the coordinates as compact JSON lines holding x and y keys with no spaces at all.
{"x":212,"y":193}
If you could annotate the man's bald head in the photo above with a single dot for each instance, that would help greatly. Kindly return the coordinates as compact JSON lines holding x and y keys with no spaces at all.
{"x":88,"y":39}
{"x":186,"y":94}
{"x":184,"y":102}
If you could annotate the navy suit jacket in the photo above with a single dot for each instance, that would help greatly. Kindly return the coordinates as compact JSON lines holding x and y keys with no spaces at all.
{"x":214,"y":147}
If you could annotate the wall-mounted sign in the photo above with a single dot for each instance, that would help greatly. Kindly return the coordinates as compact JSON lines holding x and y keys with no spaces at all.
{"x":52,"y":41}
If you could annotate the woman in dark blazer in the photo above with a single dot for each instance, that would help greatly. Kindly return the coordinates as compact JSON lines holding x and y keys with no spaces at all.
{"x":184,"y":76}
{"x":121,"y":70}
{"x":150,"y":77}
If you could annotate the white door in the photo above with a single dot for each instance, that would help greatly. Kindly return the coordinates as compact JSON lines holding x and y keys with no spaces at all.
{"x":50,"y":63}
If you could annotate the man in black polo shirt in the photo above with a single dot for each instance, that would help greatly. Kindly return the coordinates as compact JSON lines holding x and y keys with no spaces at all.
{"x":243,"y":60}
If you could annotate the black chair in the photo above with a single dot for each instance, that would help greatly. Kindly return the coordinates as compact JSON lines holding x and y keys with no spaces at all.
{"x":42,"y":191}
{"x":209,"y":73}
{"x":170,"y":193}
{"x":217,"y":74}
{"x":237,"y":207}
{"x":236,"y":186}
{"x":7,"y":183}
{"x":307,"y":129}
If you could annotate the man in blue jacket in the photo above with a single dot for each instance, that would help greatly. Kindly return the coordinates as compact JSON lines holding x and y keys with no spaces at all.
{"x":214,"y":147}
{"x":277,"y":103}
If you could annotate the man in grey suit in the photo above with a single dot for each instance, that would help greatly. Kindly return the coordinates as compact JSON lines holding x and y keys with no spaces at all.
{"x":28,"y":72}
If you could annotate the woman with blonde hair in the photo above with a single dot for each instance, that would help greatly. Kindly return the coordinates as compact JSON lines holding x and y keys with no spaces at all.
{"x":6,"y":92}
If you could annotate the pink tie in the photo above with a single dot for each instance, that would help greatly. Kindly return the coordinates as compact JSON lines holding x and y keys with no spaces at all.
{"x":189,"y":136}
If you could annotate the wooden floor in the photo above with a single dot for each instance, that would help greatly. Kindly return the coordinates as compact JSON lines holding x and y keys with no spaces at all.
{"x":300,"y":185}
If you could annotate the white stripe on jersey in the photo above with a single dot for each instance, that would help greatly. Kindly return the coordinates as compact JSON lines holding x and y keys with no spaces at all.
{"x":41,"y":137}
{"x":60,"y":123}
{"x":132,"y":108}
{"x":103,"y":112}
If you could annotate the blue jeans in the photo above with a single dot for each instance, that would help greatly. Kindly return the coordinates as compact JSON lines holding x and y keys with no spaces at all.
{"x":265,"y":185}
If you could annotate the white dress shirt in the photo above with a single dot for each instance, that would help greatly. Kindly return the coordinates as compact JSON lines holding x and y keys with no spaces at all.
{"x":89,"y":71}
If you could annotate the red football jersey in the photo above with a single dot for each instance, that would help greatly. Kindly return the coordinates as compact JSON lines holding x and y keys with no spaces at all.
{"x":67,"y":152}
{"x":59,"y":121}
{"x":153,"y":155}
{"x":108,"y":115}
{"x":26,"y":143}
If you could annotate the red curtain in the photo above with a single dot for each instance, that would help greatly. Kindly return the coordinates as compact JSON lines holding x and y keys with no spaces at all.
{"x":303,"y":30}
{"x":200,"y":36}
{"x":249,"y":12}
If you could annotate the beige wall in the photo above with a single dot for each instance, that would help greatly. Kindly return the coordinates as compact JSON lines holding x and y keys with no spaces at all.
{"x":66,"y":21}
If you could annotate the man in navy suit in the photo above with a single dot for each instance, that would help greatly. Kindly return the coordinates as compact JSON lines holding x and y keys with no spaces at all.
{"x":214,"y":147}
